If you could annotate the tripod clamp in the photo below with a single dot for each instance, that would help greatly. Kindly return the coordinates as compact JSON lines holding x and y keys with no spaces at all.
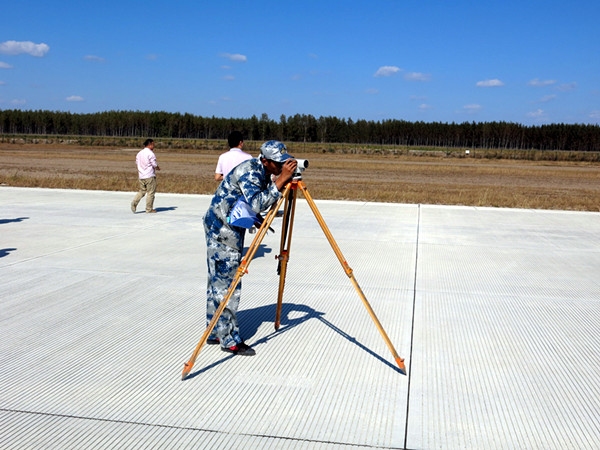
{"x":283,"y":257}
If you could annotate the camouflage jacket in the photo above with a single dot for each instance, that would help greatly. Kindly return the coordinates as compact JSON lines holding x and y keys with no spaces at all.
{"x":248,"y":179}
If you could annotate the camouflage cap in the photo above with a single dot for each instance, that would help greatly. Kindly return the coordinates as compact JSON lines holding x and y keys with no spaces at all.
{"x":275,"y":151}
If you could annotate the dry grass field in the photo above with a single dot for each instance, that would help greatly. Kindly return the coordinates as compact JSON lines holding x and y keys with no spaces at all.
{"x":403,"y":178}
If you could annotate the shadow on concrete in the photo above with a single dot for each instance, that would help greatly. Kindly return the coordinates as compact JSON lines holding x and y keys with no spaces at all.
{"x":166,"y":208}
{"x":6,"y":251}
{"x":18,"y":219}
{"x":261,"y":251}
{"x":250,"y":320}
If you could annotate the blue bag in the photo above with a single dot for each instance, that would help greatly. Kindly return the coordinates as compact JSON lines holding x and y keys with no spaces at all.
{"x":242,"y":215}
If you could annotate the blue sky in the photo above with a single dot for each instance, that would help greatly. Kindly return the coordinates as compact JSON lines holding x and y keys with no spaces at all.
{"x":530,"y":62}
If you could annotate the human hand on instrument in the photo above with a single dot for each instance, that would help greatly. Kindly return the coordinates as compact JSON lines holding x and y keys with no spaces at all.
{"x":288,"y":169}
{"x":285,"y":172}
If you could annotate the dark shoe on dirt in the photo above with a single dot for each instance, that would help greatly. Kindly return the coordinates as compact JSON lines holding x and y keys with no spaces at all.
{"x":240,"y":349}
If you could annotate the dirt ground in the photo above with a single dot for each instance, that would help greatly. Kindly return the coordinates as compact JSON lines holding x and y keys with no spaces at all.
{"x":401,"y":179}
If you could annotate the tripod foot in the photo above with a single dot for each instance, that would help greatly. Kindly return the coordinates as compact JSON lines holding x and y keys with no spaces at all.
{"x":400,"y":362}
{"x":186,"y":370}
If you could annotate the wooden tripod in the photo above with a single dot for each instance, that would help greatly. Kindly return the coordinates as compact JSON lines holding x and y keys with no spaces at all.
{"x":289,"y":195}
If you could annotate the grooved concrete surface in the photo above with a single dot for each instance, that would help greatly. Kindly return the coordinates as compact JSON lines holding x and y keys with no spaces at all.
{"x":496,"y":311}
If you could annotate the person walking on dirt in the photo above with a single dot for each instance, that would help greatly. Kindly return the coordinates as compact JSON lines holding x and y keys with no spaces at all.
{"x":250,"y":182}
{"x":228,"y":160}
{"x":147,"y":167}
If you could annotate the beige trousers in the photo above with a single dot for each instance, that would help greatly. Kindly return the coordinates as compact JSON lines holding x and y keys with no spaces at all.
{"x":147,"y":188}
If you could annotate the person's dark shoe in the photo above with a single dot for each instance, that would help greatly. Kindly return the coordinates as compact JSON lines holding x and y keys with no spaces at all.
{"x":240,"y":349}
{"x":212,"y":341}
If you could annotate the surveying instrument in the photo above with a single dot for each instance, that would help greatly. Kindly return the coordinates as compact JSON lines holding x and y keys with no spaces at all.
{"x":289,"y":195}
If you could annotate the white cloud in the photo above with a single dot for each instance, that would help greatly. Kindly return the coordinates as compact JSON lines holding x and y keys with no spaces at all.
{"x":417,"y":76}
{"x":220,"y":101}
{"x":372,"y":91}
{"x":472,"y":108}
{"x":18,"y":101}
{"x":387,"y":71}
{"x":234,"y":57}
{"x":425,"y":107}
{"x":537,"y":114}
{"x":541,"y":83}
{"x":2,"y":83}
{"x":28,"y":47}
{"x":151,"y":56}
{"x":547,"y":98}
{"x":229,"y":77}
{"x":4,"y":65}
{"x":490,"y":83}
{"x":93,"y":58}
{"x":566,"y":87}
{"x":74,"y":98}
{"x":595,"y":114}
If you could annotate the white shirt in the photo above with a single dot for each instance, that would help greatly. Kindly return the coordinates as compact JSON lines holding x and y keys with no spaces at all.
{"x":228,"y":160}
{"x":146,"y":163}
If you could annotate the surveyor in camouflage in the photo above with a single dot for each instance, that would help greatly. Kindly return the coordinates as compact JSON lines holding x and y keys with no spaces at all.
{"x":224,"y":243}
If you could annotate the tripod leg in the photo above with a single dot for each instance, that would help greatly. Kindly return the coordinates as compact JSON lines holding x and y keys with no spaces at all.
{"x":348,"y":270}
{"x":284,"y":252}
{"x":241,"y":271}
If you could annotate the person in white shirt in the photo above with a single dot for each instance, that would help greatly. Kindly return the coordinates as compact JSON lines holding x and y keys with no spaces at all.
{"x":229,"y":160}
{"x":147,"y":167}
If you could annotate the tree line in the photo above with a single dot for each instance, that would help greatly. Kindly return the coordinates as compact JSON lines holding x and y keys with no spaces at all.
{"x":305,"y":128}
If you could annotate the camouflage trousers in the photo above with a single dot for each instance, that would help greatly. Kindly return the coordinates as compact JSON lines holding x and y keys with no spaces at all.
{"x":223,"y":262}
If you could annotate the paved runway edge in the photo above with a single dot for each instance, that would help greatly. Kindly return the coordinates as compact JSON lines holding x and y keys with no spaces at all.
{"x":495,"y":311}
